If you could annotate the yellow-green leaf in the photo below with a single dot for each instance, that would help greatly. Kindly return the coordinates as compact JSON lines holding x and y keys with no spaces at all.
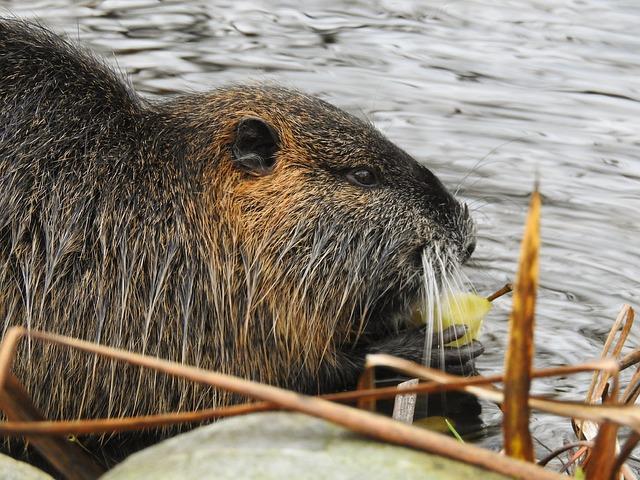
{"x":464,"y":309}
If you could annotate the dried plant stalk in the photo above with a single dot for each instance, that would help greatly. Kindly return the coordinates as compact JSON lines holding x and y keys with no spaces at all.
{"x":626,"y":451}
{"x":620,"y":331}
{"x":628,"y":415}
{"x":69,"y":460}
{"x":499,"y":293}
{"x":602,"y":461}
{"x":363,"y":422}
{"x":110,"y":425}
{"x":519,"y":356}
{"x":366,"y":382}
{"x":404,"y":406}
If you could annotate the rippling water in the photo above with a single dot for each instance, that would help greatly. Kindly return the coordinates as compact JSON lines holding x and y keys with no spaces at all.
{"x":489,"y":97}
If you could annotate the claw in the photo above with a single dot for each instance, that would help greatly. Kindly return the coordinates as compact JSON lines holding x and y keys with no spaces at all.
{"x":450,"y":334}
{"x":459,"y":360}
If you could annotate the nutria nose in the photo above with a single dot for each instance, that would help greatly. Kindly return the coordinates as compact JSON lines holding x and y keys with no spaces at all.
{"x":469,"y":251}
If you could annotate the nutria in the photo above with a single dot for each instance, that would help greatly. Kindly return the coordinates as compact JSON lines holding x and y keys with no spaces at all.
{"x":253,"y":230}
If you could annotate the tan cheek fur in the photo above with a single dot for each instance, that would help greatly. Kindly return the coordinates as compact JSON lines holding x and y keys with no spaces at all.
{"x":259,"y":214}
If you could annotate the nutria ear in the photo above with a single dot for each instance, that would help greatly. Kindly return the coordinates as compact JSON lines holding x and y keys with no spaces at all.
{"x":255,"y":146}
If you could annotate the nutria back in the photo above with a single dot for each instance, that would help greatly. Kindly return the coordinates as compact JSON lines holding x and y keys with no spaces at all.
{"x":253,"y":230}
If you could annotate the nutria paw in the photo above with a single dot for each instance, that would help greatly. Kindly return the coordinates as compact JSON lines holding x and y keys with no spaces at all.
{"x":410,"y":345}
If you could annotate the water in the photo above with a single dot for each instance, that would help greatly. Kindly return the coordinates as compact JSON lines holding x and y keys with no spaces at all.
{"x":488,"y":96}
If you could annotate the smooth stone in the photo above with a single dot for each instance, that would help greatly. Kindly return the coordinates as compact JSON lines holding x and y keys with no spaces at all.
{"x":11,"y":469}
{"x":279,"y":445}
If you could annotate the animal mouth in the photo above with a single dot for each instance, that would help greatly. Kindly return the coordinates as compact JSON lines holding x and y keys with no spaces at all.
{"x":437,"y":273}
{"x":396,"y":312}
{"x":431,"y":271}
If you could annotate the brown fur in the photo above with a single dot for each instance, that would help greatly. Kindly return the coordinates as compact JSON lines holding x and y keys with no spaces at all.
{"x":130,"y":223}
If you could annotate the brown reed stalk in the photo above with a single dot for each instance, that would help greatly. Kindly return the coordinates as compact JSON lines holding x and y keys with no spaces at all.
{"x":519,"y":356}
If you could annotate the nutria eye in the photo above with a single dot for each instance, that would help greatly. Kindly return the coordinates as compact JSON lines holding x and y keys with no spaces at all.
{"x":362,"y":177}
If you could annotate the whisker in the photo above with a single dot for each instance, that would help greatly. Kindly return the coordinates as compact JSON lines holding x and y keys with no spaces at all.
{"x":479,"y":162}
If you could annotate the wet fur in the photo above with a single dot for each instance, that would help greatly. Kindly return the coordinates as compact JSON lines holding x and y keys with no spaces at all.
{"x":125,"y":222}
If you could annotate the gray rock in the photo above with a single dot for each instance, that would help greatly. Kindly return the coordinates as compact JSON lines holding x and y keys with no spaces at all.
{"x":280,"y":446}
{"x":11,"y":469}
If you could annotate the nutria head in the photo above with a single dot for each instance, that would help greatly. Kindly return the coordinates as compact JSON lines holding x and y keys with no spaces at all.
{"x":327,"y":217}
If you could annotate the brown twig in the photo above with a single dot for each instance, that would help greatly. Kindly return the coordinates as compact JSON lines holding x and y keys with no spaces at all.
{"x":627,"y":449}
{"x":622,"y":324}
{"x":630,"y":359}
{"x":559,"y":451}
{"x":67,"y":458}
{"x":366,"y":382}
{"x":628,"y":415}
{"x":110,"y":425}
{"x":582,"y":451}
{"x":366,"y":423}
{"x":499,"y":293}
{"x":631,"y":392}
{"x":602,"y":463}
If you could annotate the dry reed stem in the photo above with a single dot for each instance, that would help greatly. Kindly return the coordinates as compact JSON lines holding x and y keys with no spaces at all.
{"x":520,"y":350}
{"x":363,"y":422}
{"x":602,"y":462}
{"x":631,"y":392}
{"x":499,"y":293}
{"x":111,"y":425}
{"x":599,"y":381}
{"x":630,"y":359}
{"x":68,"y":459}
{"x":446,"y":382}
{"x":626,"y":451}
{"x":559,"y":451}
{"x":366,"y":382}
{"x":581,"y":452}
{"x":614,"y":413}
{"x":627,"y":415}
